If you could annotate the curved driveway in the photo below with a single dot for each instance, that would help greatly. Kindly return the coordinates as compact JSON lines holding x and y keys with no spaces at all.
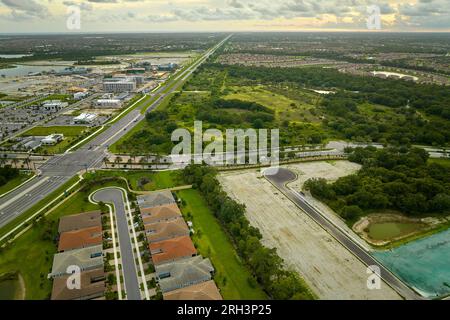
{"x":281,"y":177}
{"x":115,"y":196}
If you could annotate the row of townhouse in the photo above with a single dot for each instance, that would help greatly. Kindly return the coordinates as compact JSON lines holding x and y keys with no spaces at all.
{"x":181,"y":273}
{"x":79,"y":249}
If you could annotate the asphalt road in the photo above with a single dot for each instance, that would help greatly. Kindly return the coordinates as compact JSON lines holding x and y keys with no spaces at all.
{"x":130,"y":276}
{"x":280,"y":178}
{"x":59,"y":169}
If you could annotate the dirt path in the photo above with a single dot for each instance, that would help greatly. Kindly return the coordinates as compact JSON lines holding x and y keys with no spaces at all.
{"x":22,"y":292}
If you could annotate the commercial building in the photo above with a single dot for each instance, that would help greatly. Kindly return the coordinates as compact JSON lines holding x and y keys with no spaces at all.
{"x":92,"y":286}
{"x":85,"y":118}
{"x":119,"y":85}
{"x":109,"y":103}
{"x":80,"y":95}
{"x":53,"y":105}
{"x":168,"y":67}
{"x":184,"y":273}
{"x":86,"y":259}
{"x":172,"y":250}
{"x":202,"y":291}
{"x":52,"y":139}
{"x":74,"y":70}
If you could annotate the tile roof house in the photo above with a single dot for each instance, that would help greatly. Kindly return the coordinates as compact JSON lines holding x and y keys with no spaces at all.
{"x":80,"y":221}
{"x":183,"y":273}
{"x":92,"y":286}
{"x":86,"y":259}
{"x":201,"y":291}
{"x":155,"y":199}
{"x":172,"y":250}
{"x":161,"y":213}
{"x":81,"y":238}
{"x":166,"y":230}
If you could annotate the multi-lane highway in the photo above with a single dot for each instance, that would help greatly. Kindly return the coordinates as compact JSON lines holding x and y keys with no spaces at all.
{"x":281,"y":176}
{"x":59,"y":169}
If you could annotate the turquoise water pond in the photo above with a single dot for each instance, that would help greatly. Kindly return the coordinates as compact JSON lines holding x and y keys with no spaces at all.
{"x":424,"y":264}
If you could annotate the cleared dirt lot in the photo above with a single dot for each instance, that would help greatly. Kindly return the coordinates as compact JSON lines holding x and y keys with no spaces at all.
{"x":330,"y":170}
{"x":330,"y":270}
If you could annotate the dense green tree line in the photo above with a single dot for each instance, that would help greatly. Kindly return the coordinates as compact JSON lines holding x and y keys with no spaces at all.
{"x":393,"y":178}
{"x":7,"y":173}
{"x":266,"y":265}
{"x":418,"y":113}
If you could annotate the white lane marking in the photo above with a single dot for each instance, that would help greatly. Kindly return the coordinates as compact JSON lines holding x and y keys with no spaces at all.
{"x":3,"y":205}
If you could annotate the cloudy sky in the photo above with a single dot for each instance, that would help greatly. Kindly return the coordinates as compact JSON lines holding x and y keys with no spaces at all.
{"x":221,"y":15}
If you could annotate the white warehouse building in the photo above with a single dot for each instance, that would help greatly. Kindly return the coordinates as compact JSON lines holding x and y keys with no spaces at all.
{"x":109,"y":103}
{"x":80,"y":95}
{"x":85,"y":118}
{"x":54,"y":105}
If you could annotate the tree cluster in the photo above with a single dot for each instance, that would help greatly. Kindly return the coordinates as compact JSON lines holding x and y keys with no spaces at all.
{"x":393,"y":178}
{"x":7,"y":173}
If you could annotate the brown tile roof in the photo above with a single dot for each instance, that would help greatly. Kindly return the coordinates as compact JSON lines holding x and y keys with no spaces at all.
{"x":161,"y":213}
{"x":201,"y":291}
{"x":80,"y":239}
{"x":155,"y":199}
{"x":80,"y":221}
{"x":92,"y":286}
{"x":172,"y":249}
{"x":166,"y":230}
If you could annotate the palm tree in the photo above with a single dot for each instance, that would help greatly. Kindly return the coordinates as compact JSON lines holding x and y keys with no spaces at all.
{"x":105,"y":161}
{"x":142,"y":161}
{"x":14,"y":161}
{"x":26,"y":161}
{"x":118,"y":160}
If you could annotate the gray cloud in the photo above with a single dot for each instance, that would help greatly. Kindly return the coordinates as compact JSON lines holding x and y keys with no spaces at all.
{"x":25,"y":9}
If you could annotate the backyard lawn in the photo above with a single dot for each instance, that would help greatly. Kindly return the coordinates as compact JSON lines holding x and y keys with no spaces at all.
{"x":231,"y":276}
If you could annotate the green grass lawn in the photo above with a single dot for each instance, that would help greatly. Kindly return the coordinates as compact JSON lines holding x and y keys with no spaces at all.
{"x":212,"y":242}
{"x":284,"y":107}
{"x":15,"y":182}
{"x":71,"y":134}
{"x":156,"y":179}
{"x":442,"y":161}
{"x":32,"y":256}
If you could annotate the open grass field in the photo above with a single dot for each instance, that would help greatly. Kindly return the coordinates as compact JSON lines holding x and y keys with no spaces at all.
{"x":286,"y":108}
{"x":441,"y":161}
{"x":11,"y":184}
{"x":212,"y":242}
